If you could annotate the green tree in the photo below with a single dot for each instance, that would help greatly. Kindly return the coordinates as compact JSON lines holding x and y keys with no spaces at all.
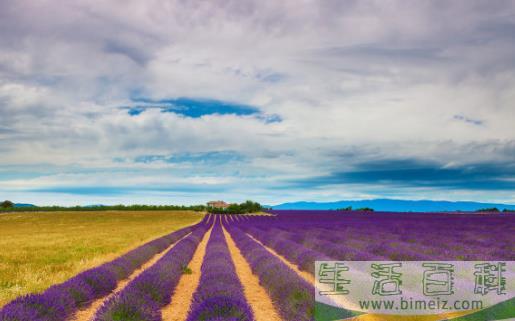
{"x":7,"y":204}
{"x":246,"y":207}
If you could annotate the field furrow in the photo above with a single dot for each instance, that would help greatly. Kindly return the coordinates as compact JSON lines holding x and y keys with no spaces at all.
{"x":303,"y":274}
{"x":259,"y":300}
{"x":180,"y":304}
{"x":219,"y":295}
{"x":302,"y":256}
{"x":292,"y":294}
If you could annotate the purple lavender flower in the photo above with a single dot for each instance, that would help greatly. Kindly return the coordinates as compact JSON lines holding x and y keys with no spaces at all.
{"x":220,"y":293}
{"x":144,"y":297}
{"x":293,"y":296}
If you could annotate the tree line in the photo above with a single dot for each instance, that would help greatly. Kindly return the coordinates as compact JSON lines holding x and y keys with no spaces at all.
{"x":246,"y":207}
{"x":242,"y":208}
{"x":493,"y":210}
{"x":10,"y":207}
{"x":349,"y":208}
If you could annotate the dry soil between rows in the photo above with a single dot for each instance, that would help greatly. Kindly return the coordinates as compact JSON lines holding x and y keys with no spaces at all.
{"x":255,"y":294}
{"x":180,"y":304}
{"x":303,"y":274}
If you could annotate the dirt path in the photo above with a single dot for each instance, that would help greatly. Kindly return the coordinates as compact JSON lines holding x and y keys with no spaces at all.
{"x":303,"y":274}
{"x":256,"y":295}
{"x":179,"y":306}
{"x":88,"y":313}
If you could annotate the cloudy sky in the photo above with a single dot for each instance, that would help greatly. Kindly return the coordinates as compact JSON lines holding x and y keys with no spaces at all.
{"x":185,"y":101}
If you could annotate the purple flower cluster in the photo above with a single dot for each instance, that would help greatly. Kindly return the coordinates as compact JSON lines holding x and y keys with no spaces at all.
{"x":220,"y":293}
{"x":60,"y":301}
{"x":144,"y":297}
{"x":293,"y":296}
{"x":304,"y":257}
{"x":304,"y":251}
{"x":389,"y":236}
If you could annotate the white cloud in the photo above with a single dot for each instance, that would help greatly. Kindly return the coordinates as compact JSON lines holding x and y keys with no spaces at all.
{"x":367,"y":78}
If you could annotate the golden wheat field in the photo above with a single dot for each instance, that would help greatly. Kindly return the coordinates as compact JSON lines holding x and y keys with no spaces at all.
{"x":44,"y":248}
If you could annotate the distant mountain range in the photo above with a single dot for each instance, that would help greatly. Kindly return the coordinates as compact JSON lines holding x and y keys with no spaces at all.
{"x":392,"y":205}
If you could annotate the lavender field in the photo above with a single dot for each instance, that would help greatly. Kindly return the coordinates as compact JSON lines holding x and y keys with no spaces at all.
{"x":278,"y":251}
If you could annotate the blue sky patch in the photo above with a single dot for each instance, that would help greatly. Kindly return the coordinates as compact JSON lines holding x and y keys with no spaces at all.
{"x":418,"y":173}
{"x":135,"y":111}
{"x":196,"y":108}
{"x":191,"y":107}
{"x":213,"y":158}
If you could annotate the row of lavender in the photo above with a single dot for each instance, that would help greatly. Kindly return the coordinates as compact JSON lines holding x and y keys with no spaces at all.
{"x":303,"y":236}
{"x":220,"y":292}
{"x":147,"y":294}
{"x":292,"y":295}
{"x":61,"y":301}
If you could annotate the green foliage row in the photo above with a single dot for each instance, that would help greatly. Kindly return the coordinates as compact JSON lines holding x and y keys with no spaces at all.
{"x":246,"y":207}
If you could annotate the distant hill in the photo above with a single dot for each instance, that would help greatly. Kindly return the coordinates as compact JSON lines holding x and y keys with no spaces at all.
{"x":391,"y":205}
{"x":23,"y":205}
